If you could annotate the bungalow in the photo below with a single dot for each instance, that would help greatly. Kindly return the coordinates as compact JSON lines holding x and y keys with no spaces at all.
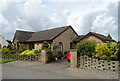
{"x":3,"y":42}
{"x":62,"y":36}
{"x":99,"y":38}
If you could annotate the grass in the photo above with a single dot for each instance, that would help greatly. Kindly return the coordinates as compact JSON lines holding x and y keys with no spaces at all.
{"x":5,"y":60}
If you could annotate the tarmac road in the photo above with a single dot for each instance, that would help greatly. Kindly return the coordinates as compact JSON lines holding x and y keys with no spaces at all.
{"x":56,"y":70}
{"x":12,"y":72}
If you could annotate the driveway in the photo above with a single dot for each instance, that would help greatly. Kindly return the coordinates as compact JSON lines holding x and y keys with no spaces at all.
{"x":56,"y":70}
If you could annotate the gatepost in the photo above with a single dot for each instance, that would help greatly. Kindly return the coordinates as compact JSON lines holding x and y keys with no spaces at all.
{"x":43,"y":56}
{"x":73,"y":58}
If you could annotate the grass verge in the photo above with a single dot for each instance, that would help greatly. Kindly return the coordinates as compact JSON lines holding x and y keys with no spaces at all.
{"x":6,"y":60}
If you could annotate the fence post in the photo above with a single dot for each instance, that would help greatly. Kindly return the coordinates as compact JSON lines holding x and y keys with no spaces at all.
{"x":43,"y":56}
{"x":73,"y":58}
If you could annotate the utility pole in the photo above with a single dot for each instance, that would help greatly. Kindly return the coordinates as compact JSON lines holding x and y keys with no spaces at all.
{"x":74,"y":21}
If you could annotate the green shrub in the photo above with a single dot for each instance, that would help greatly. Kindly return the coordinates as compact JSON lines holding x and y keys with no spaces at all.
{"x":49,"y":48}
{"x":60,"y":53}
{"x":6,"y":51}
{"x":0,"y":51}
{"x":37,"y":51}
{"x":66,"y":52}
{"x":45,"y":45}
{"x":107,"y":51}
{"x":24,"y":52}
{"x":118,"y":52}
{"x":55,"y":47}
{"x":13,"y":52}
{"x":30,"y":52}
{"x":86,"y":47}
{"x":51,"y":56}
{"x":21,"y":48}
{"x":9,"y":46}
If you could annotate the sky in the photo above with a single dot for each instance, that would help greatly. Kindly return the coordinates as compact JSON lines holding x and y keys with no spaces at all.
{"x":100,"y":16}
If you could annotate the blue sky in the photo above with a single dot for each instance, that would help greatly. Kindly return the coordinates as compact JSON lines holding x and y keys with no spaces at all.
{"x":99,"y":16}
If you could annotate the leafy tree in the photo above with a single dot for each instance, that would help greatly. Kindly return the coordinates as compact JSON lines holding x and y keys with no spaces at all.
{"x":86,"y":47}
{"x":9,"y":46}
{"x":45,"y":45}
{"x":9,"y":41}
{"x":109,"y":36}
{"x":118,"y":42}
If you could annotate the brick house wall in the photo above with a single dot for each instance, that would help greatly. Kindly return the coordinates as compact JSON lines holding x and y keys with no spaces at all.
{"x":66,"y":37}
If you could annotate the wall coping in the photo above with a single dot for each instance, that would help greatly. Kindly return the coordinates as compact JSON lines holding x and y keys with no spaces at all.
{"x":73,"y":50}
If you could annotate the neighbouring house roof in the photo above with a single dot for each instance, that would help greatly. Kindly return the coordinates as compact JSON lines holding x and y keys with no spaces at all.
{"x":3,"y":41}
{"x":78,"y":38}
{"x":100,"y":36}
{"x":46,"y":35}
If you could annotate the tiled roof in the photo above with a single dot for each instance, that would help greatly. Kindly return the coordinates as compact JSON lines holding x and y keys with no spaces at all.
{"x":26,"y":36}
{"x":102,"y":37}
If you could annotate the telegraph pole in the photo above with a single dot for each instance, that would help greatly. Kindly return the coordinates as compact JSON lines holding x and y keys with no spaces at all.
{"x":74,"y":21}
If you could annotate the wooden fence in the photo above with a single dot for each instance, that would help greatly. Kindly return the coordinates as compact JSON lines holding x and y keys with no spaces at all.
{"x":22,"y":57}
{"x":89,"y":63}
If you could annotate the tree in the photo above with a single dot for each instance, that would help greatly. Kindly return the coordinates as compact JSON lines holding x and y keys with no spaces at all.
{"x":118,"y":42}
{"x":86,"y":47}
{"x":45,"y":45}
{"x":9,"y":41}
{"x":109,"y":36}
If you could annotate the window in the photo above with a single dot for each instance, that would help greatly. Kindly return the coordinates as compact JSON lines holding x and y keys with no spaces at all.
{"x":71,"y":45}
{"x":60,"y":46}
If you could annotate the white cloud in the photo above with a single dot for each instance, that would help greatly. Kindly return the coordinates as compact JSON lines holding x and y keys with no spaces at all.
{"x":82,"y":0}
{"x":36,"y":15}
{"x":31,"y":15}
{"x":102,"y":21}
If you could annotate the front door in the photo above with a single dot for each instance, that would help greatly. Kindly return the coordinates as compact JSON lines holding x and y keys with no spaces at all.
{"x":31,"y":46}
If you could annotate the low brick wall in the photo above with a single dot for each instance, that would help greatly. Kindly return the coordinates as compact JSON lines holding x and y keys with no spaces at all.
{"x":22,"y":57}
{"x":42,"y":57}
{"x":89,"y":63}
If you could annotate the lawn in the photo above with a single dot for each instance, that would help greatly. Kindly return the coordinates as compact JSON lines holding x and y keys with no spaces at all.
{"x":5,"y":60}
